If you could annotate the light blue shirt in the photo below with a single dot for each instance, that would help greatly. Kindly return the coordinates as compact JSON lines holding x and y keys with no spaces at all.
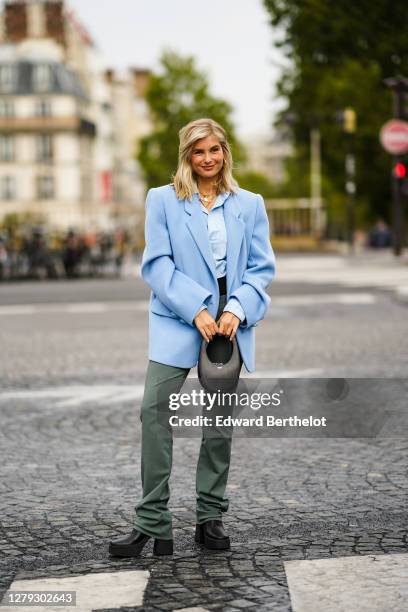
{"x":217,"y":234}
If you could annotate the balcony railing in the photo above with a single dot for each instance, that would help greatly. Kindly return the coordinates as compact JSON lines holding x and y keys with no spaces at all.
{"x":47,"y":124}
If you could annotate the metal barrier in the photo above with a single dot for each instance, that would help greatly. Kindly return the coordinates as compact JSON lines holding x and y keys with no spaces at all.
{"x":296,"y":217}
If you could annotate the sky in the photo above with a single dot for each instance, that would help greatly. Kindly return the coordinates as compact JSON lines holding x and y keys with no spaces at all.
{"x":230,"y":39}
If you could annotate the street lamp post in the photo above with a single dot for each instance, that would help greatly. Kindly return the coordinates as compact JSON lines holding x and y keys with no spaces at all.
{"x":347,"y":119}
{"x":349,"y":127}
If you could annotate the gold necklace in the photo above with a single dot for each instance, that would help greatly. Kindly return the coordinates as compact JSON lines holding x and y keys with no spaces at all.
{"x":206,"y":199}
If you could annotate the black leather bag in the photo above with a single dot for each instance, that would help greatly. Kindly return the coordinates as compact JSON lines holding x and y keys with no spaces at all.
{"x":219,"y":364}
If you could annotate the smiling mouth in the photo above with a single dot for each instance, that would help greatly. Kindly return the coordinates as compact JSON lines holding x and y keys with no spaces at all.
{"x":208,"y":167}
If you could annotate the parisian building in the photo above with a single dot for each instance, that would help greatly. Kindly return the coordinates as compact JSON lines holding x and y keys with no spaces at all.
{"x":69,"y":125}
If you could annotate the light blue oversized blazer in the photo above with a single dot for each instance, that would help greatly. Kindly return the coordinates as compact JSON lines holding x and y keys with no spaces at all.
{"x":178,"y":265}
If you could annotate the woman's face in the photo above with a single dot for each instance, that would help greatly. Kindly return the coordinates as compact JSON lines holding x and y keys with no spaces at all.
{"x":207,"y":157}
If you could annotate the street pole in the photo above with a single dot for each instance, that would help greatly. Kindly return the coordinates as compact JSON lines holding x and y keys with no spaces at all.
{"x":350,"y":190}
{"x":349,"y":126}
{"x":398,"y":86}
{"x":315,"y":181}
{"x":397,"y":217}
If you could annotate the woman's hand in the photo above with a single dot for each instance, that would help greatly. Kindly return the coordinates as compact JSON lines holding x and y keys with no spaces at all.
{"x":228,"y":324}
{"x":206,"y":325}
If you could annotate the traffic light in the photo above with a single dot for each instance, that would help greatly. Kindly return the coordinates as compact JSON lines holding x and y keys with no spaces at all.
{"x":400,"y":170}
{"x":400,"y":173}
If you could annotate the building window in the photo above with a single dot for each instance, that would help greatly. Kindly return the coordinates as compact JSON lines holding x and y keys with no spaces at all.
{"x":44,"y":147}
{"x":7,"y":78}
{"x":6,"y":108}
{"x":45,"y":187}
{"x":42,"y":77}
{"x":8,"y":188}
{"x":43,"y":108}
{"x":6,"y":148}
{"x":86,"y":187}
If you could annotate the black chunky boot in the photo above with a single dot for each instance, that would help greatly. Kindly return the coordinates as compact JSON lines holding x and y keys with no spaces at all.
{"x":212,"y":535}
{"x":132,"y":545}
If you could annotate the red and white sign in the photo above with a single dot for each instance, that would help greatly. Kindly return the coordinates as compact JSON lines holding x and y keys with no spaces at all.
{"x":106,"y":185}
{"x":394,"y":136}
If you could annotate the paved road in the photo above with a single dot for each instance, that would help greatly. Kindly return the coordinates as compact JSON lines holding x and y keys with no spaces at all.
{"x":72,"y":373}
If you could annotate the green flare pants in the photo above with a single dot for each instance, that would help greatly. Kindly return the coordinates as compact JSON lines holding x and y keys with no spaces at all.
{"x":152,"y":514}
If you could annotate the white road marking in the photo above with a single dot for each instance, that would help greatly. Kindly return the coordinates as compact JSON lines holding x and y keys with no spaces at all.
{"x":324,"y":298}
{"x":367,"y":583}
{"x":381,"y":271}
{"x":87,"y":307}
{"x":195,"y":609}
{"x":93,"y":591}
{"x":305,"y":373}
{"x":143,"y":305}
{"x":73,"y":308}
{"x":76,"y":395}
{"x":17,"y":310}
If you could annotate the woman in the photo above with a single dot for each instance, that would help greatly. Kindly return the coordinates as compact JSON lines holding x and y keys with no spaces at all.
{"x":208,"y":261}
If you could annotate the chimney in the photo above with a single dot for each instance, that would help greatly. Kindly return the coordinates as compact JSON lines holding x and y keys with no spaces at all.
{"x":109,"y":75}
{"x":54,"y":18}
{"x":15,"y":21}
{"x":141,"y":78}
{"x":33,"y":19}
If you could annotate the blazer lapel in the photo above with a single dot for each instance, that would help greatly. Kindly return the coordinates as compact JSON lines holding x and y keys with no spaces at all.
{"x":197,"y":227}
{"x":235,"y":231}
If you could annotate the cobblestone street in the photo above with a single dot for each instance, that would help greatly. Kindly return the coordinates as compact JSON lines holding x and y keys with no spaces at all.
{"x":74,"y":356}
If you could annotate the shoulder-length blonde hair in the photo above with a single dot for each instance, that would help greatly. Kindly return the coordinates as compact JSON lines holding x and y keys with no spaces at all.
{"x":184,"y":180}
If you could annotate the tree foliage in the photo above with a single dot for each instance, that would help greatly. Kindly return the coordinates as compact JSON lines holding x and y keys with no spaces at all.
{"x":338,"y":55}
{"x":176,"y":96}
{"x":256,"y":182}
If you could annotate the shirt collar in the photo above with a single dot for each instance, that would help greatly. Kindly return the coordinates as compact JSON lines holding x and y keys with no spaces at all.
{"x":221,"y":197}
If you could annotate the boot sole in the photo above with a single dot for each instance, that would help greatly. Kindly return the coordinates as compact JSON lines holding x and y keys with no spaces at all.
{"x":163,"y":547}
{"x":211,"y":543}
{"x":160,"y":547}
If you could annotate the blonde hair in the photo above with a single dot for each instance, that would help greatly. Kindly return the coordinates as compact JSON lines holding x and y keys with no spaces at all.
{"x":184,"y":180}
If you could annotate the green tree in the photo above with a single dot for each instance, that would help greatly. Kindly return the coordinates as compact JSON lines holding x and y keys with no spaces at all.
{"x":256,"y":182}
{"x":13,"y":222}
{"x":176,"y":96}
{"x":339,"y":53}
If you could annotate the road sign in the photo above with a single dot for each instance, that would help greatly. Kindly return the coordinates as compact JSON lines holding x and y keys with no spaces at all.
{"x":394,"y":136}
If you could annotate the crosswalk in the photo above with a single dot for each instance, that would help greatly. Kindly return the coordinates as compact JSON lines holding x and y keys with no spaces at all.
{"x":355,"y":583}
{"x":356,"y":279}
{"x":74,"y":396}
{"x":278,"y":302}
{"x":372,"y":272}
{"x":73,"y":308}
{"x":77,"y":396}
{"x":111,"y":590}
{"x":381,"y":271}
{"x":363,"y":583}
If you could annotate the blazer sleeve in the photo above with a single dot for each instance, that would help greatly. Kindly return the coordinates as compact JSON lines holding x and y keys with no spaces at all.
{"x":259,"y":272}
{"x":180,"y":293}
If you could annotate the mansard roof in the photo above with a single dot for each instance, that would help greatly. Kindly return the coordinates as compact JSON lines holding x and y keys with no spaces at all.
{"x":62,"y":80}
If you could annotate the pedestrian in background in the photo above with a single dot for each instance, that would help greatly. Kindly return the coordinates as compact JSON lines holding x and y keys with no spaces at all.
{"x":380,"y":236}
{"x":208,"y":261}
